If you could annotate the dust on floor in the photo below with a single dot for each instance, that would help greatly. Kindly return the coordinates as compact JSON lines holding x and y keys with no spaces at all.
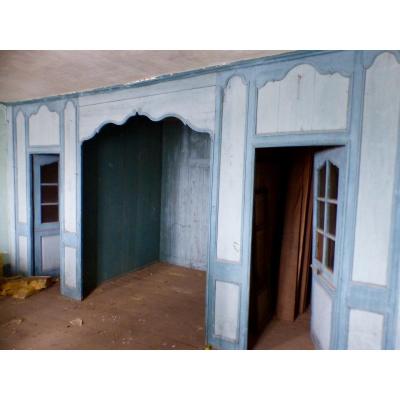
{"x":158,"y":307}
{"x":283,"y":335}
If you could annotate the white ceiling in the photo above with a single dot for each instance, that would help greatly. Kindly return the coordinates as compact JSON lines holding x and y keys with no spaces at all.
{"x":28,"y":75}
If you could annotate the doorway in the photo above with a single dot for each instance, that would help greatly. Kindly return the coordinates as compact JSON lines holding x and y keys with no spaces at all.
{"x":296,"y":212}
{"x":46,"y":222}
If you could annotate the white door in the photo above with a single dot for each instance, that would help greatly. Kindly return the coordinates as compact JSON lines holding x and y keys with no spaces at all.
{"x":329,"y":185}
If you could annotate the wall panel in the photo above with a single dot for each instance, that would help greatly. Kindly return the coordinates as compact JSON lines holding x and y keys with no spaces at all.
{"x":365,"y":330}
{"x":226,"y":313}
{"x":21,"y":169}
{"x":380,"y":133}
{"x":185,"y":196}
{"x":304,"y":100}
{"x":70,"y":192}
{"x":231,"y":175}
{"x":44,"y":128}
{"x":70,"y":267}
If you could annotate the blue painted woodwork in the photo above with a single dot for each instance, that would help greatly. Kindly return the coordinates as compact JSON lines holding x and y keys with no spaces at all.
{"x":41,"y":227}
{"x":352,"y":64}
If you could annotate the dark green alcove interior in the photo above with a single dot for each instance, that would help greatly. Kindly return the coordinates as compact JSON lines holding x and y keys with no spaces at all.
{"x":121,"y":194}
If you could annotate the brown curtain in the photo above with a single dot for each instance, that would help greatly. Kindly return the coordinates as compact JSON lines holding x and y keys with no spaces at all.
{"x":294,"y":270}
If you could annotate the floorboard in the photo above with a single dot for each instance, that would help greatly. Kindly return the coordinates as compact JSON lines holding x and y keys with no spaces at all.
{"x":158,"y":307}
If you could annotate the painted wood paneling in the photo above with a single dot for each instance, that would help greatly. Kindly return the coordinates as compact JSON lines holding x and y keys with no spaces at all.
{"x":304,"y":100}
{"x":21,"y":169}
{"x":23,"y":254}
{"x":380,"y":133}
{"x":226,"y":323}
{"x":50,"y":252}
{"x":321,"y":314}
{"x":44,"y":128}
{"x":70,"y":267}
{"x":231,"y":178}
{"x":70,"y":142}
{"x":121,"y":200}
{"x":4,"y":183}
{"x":185,"y":196}
{"x":195,"y":107}
{"x":194,"y":82}
{"x":365,"y":330}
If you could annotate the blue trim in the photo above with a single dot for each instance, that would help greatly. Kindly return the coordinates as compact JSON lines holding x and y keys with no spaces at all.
{"x":391,"y":337}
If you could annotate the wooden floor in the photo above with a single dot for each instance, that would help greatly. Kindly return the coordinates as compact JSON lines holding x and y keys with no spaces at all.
{"x":159,"y":307}
{"x":283,"y":335}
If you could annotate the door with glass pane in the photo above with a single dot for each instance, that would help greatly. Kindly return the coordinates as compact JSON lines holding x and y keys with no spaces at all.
{"x":46,"y":215}
{"x":329,"y":184}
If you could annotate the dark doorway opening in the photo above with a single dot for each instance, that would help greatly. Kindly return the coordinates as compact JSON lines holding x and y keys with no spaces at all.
{"x":45,"y":214}
{"x":280,"y":286}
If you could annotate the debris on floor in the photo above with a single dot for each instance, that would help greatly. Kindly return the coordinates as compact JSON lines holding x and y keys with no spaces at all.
{"x":76,"y":322}
{"x":21,"y":287}
{"x":15,"y":321}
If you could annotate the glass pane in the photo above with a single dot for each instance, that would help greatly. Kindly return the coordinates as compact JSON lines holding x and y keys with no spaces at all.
{"x":330,"y":254}
{"x":321,"y":181}
{"x":320,"y":247}
{"x":49,"y":213}
{"x":321,"y":214}
{"x":49,"y":173}
{"x":49,"y":194}
{"x":333,"y":181}
{"x":332,"y":211}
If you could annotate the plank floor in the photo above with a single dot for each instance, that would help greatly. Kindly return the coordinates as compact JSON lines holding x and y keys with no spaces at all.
{"x":158,"y":307}
{"x":283,"y":335}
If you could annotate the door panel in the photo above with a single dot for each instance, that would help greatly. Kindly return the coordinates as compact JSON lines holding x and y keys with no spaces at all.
{"x":46,"y":215}
{"x":329,"y":184}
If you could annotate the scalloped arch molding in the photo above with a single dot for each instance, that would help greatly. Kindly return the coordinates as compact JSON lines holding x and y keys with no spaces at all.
{"x":194,"y":107}
{"x":304,"y":100}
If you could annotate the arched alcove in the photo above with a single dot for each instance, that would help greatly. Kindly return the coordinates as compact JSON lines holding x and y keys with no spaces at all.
{"x":145,"y":198}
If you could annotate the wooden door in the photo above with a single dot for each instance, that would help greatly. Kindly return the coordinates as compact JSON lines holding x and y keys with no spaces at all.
{"x":46,"y":215}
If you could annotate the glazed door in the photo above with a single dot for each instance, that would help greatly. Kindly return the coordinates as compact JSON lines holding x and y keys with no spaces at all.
{"x":46,"y":215}
{"x":329,"y":185}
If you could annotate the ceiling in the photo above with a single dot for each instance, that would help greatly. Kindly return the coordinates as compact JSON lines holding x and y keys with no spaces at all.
{"x":28,"y":75}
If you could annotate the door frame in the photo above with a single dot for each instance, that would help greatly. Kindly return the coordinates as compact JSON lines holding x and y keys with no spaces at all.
{"x":34,"y":198}
{"x":289,"y":143}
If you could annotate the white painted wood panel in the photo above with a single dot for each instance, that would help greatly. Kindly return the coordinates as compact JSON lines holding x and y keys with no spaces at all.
{"x":70,"y":267}
{"x":11,"y":192}
{"x":304,"y":100}
{"x":377,"y":170}
{"x":230,"y":207}
{"x":185,"y":196}
{"x":227,"y":301}
{"x":195,"y":107}
{"x":21,"y":169}
{"x":44,"y":128}
{"x":149,"y":90}
{"x":23,"y":254}
{"x":70,"y":149}
{"x":365,"y":330}
{"x":321,"y":315}
{"x":50,"y":252}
